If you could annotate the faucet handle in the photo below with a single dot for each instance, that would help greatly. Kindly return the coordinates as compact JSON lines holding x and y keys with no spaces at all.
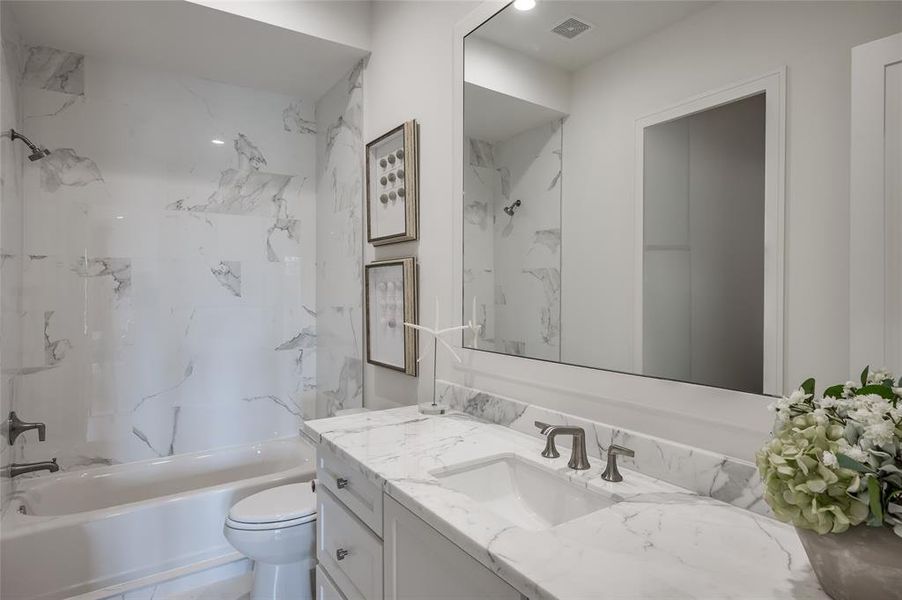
{"x":611,"y":472}
{"x":621,"y":450}
{"x":550,"y":450}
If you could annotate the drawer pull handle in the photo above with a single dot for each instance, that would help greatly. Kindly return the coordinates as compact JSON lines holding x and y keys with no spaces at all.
{"x":340,"y":554}
{"x":342,"y":483}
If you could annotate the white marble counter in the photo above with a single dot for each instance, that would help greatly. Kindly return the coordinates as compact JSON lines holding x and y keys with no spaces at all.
{"x":658,"y":541}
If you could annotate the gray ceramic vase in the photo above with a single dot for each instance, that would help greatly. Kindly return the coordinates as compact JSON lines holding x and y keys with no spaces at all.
{"x":862,"y":563}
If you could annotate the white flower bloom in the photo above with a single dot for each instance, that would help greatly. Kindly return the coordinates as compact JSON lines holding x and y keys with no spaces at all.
{"x":828,"y":402}
{"x":880,"y":433}
{"x":796,"y":397}
{"x":855,"y":453}
{"x":820,"y":416}
{"x":879,"y":376}
{"x":848,"y":389}
{"x":829,"y":459}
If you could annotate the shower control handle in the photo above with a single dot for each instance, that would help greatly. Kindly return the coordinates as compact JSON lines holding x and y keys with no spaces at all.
{"x":340,"y":554}
{"x":341,"y":483}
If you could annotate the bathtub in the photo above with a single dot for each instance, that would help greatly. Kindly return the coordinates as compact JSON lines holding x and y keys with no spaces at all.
{"x":83,"y":531}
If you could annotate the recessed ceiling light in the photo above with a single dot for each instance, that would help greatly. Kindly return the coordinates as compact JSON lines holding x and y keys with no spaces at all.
{"x":218,"y":142}
{"x":524,"y":4}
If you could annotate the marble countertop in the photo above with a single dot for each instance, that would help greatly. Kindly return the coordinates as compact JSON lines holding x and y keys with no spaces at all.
{"x":657,"y":541}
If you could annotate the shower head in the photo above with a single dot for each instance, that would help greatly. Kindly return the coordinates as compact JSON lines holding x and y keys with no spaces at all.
{"x":510,"y":210}
{"x":37,"y":152}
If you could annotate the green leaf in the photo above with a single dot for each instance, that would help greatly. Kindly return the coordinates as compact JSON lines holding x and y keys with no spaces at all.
{"x":874,"y":498}
{"x":880,"y":390}
{"x":850,"y":463}
{"x":808,"y":386}
{"x":864,"y":375}
{"x":834,"y":391}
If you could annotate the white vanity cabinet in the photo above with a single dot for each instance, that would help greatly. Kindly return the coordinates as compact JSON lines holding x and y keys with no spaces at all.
{"x":412,"y":562}
{"x":420,"y":563}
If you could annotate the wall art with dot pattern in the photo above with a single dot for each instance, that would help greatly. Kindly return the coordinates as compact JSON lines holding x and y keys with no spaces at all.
{"x":392,"y":187}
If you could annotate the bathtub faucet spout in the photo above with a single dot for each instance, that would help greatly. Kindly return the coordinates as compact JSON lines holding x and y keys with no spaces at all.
{"x":20,"y":469}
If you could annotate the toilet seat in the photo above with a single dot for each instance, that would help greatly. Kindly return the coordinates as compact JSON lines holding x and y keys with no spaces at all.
{"x":276,"y":508}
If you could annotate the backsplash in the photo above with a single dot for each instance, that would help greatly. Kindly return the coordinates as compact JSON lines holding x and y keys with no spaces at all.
{"x":706,"y":473}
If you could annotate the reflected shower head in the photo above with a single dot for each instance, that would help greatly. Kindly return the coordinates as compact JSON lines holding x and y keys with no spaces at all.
{"x":37,"y":152}
{"x":510,"y":210}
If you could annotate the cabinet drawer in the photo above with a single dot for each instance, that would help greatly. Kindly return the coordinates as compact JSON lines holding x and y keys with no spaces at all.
{"x":348,"y":551}
{"x":352,"y":487}
{"x":325,"y":589}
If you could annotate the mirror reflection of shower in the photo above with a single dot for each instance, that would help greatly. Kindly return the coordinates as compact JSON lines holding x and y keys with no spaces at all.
{"x":37,"y":152}
{"x":510,"y":210}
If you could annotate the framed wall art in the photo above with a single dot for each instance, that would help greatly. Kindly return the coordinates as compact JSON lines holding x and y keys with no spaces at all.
{"x":391,"y":300}
{"x":392,"y":186}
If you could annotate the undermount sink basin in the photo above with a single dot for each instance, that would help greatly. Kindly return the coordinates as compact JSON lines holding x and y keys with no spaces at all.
{"x":524,"y":494}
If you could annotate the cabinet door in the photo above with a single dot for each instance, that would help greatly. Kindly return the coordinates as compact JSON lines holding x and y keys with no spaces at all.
{"x":325,"y":587}
{"x":421,"y":564}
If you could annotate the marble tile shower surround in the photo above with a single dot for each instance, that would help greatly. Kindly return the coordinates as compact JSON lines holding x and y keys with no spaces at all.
{"x":12,"y":166}
{"x":706,"y":473}
{"x":339,"y":272}
{"x":512,"y":264}
{"x":167,"y":283}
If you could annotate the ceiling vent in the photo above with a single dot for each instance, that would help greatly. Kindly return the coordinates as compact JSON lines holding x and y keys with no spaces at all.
{"x":571,"y":27}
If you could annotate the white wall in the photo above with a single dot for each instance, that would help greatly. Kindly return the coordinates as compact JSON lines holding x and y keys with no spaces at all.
{"x":709,"y":50}
{"x":409,"y":77}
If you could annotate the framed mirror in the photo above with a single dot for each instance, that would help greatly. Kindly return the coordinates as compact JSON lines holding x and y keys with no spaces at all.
{"x":662,"y":188}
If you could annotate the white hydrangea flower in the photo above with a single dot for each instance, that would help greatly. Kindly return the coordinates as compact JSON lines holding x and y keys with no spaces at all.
{"x":828,"y":402}
{"x":855,"y":453}
{"x":879,"y":376}
{"x":829,"y":459}
{"x":880,"y":433}
{"x":848,"y":389}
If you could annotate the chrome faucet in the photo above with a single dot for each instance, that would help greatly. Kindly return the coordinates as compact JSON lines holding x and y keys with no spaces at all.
{"x":16,"y":427}
{"x":15,"y":470}
{"x":611,"y":472}
{"x":579,"y":459}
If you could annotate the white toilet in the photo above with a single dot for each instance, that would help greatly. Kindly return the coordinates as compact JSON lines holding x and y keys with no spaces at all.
{"x":276,"y":528}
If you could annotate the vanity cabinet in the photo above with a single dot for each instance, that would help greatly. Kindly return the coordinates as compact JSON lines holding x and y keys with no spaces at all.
{"x":420,"y":563}
{"x":393,"y":554}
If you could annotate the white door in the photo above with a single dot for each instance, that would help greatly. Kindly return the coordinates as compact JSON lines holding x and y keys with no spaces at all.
{"x":876,"y":206}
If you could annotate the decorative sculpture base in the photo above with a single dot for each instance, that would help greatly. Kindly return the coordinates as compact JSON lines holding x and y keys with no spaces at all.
{"x":428,"y":408}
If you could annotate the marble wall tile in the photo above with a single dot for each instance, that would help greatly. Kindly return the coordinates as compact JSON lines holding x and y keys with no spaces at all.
{"x":721,"y":477}
{"x":56,"y":70}
{"x":512,"y":262}
{"x":339,"y":210}
{"x":166,"y":280}
{"x":11,"y":211}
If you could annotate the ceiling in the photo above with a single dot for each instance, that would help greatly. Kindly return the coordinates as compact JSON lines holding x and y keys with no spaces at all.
{"x":179,"y":36}
{"x":616,"y":24}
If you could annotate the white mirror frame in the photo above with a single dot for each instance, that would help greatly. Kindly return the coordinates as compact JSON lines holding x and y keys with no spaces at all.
{"x":733,"y":423}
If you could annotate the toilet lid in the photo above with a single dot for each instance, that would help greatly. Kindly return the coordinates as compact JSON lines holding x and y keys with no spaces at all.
{"x":276,"y":505}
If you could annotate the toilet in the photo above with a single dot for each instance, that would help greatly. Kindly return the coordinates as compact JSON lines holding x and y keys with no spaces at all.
{"x":276,"y":528}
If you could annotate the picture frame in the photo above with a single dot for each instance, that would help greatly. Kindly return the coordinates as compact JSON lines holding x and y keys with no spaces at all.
{"x":390,"y":291}
{"x":392,"y":186}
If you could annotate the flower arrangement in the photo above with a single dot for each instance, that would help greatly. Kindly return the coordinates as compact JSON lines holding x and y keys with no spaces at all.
{"x":835,"y":461}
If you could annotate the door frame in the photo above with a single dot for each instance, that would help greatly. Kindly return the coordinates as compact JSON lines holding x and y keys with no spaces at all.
{"x":871,"y":276}
{"x":773,"y":85}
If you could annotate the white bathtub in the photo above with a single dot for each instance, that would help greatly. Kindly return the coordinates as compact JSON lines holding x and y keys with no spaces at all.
{"x":87,"y":530}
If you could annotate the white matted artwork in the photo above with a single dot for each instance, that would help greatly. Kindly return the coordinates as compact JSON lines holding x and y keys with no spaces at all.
{"x":391,"y":301}
{"x":392,"y":186}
